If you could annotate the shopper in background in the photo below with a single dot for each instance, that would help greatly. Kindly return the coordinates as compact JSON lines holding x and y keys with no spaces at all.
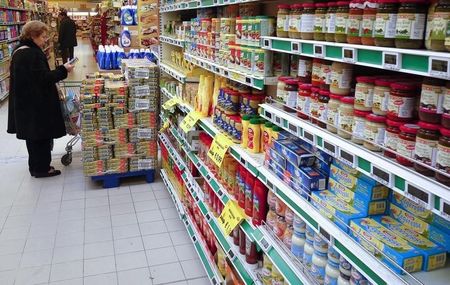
{"x":67,"y":37}
{"x":34,"y":107}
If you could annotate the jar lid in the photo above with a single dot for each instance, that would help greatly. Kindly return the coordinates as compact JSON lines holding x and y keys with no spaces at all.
{"x":332,"y":4}
{"x":445,"y":132}
{"x":296,"y":6}
{"x":387,"y":1}
{"x":321,"y":5}
{"x":414,"y":1}
{"x":410,"y":128}
{"x":429,"y":126}
{"x":237,"y":119}
{"x":366,"y":79}
{"x":268,"y":125}
{"x":348,"y":100}
{"x":324,"y":92}
{"x":412,"y":86}
{"x":276,"y":128}
{"x":246,"y":117}
{"x":283,"y":6}
{"x":376,"y":118}
{"x":384,"y":82}
{"x":361,"y":114}
{"x":284,"y":78}
{"x":343,"y":3}
{"x":304,"y":86}
{"x":254,"y":121}
{"x":291,"y":81}
{"x":393,"y":123}
{"x":308,"y":5}
{"x":335,"y":96}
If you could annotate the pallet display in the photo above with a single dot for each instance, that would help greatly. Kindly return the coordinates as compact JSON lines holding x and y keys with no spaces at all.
{"x":248,"y":88}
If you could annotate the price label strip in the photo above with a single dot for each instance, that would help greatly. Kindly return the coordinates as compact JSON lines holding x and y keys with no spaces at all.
{"x":170,"y":103}
{"x":143,"y":90}
{"x":145,"y":164}
{"x":189,"y":121}
{"x":218,"y":148}
{"x":231,"y":217}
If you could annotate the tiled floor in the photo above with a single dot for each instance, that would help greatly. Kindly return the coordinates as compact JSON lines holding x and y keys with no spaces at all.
{"x":68,"y":230}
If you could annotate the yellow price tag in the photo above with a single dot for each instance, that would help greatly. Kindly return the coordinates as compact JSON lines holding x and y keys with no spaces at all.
{"x":218,"y":148}
{"x":170,"y":103}
{"x":231,"y":217}
{"x":189,"y":121}
{"x":164,"y":127}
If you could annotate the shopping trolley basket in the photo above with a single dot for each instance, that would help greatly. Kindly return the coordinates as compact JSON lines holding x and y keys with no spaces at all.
{"x":69,"y":94}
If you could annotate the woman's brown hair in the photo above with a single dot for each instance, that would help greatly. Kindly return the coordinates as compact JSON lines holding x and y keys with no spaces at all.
{"x":32,"y":30}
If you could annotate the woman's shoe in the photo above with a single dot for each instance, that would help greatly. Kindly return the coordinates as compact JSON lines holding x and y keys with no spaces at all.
{"x":52,"y":172}
{"x":32,"y":173}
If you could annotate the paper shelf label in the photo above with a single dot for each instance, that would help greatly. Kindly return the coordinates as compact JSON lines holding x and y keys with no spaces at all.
{"x":267,"y":43}
{"x":419,"y":196}
{"x":141,"y":73}
{"x":293,"y":129}
{"x":144,"y":133}
{"x":219,"y":148}
{"x":142,"y":104}
{"x":392,"y":60}
{"x":143,"y":90}
{"x":325,"y":234}
{"x":264,"y":244}
{"x":189,"y":121}
{"x":330,"y":148}
{"x":439,"y":67}
{"x":309,"y":137}
{"x":296,"y":47}
{"x":144,"y":163}
{"x":231,"y":255}
{"x":170,"y":103}
{"x":231,"y":217}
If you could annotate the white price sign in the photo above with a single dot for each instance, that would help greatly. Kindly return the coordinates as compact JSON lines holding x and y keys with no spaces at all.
{"x":296,"y":47}
{"x":141,"y":73}
{"x":144,"y":133}
{"x":142,"y":104}
{"x":439,"y":67}
{"x":319,"y":51}
{"x":349,"y":55}
{"x":392,"y":60}
{"x":419,"y":196}
{"x":144,"y":163}
{"x":143,"y":90}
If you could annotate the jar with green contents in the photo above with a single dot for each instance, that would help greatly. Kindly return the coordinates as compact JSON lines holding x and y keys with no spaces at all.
{"x":320,"y":21}
{"x":295,"y":20}
{"x":342,"y":13}
{"x":308,"y":15}
{"x":283,"y":21}
{"x":368,"y":23}
{"x":385,"y":23}
{"x":439,"y":24}
{"x":355,"y":21}
{"x":330,"y":21}
{"x":410,"y":26}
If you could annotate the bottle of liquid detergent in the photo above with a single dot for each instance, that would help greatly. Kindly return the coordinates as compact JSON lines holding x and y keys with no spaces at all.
{"x":100,"y":55}
{"x":125,"y":38}
{"x":127,"y":18}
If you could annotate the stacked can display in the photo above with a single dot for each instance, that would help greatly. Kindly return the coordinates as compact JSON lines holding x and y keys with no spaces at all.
{"x":119,"y":126}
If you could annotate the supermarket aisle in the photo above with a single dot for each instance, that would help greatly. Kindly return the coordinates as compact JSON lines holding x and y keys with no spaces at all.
{"x":86,"y":64}
{"x":67,"y":230}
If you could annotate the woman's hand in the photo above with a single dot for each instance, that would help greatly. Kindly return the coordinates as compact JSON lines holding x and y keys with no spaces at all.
{"x":69,"y":67}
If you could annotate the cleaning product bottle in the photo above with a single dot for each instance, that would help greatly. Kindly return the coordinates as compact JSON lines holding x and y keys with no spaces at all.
{"x":107,"y":58}
{"x":114,"y":58}
{"x":249,"y":186}
{"x":135,"y":14}
{"x":245,"y":123}
{"x":100,"y":55}
{"x":127,"y":18}
{"x":121,"y":55}
{"x":148,"y":54}
{"x":254,"y":135}
{"x":259,"y":203}
{"x":141,"y":53}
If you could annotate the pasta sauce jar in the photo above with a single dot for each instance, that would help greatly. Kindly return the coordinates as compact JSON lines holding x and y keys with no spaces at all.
{"x":426,"y":147}
{"x":443,"y":157}
{"x":431,"y":100}
{"x":402,"y":101}
{"x":391,"y":137}
{"x":406,"y":144}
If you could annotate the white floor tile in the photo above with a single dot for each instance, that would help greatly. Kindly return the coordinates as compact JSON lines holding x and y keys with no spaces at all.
{"x":102,"y":279}
{"x":139,"y":276}
{"x":149,"y":216}
{"x":121,"y":209}
{"x":180,"y":237}
{"x":102,"y":211}
{"x":143,"y":196}
{"x":128,"y":245}
{"x":72,"y":226}
{"x":70,"y":239}
{"x":193,"y":268}
{"x":97,"y":202}
{"x":165,"y":203}
{"x":98,"y":235}
{"x":99,"y":265}
{"x":127,"y":231}
{"x":167,"y":273}
{"x":36,"y":258}
{"x":33,"y":275}
{"x":123,"y":220}
{"x":153,"y":228}
{"x":120,"y":199}
{"x":72,"y":204}
{"x":160,"y":256}
{"x":97,"y":223}
{"x":98,"y":249}
{"x":170,"y":213}
{"x":146,"y":206}
{"x":199,"y":281}
{"x":174,"y":225}
{"x":69,"y":253}
{"x":7,"y":277}
{"x":12,"y":246}
{"x":131,"y":260}
{"x":157,"y":241}
{"x":77,"y":281}
{"x":66,"y":271}
{"x":9,"y":262}
{"x":186,"y":252}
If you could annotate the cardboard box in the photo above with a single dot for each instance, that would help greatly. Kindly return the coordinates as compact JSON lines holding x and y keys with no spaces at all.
{"x":278,"y":158}
{"x":310,"y":178}
{"x":294,"y":153}
{"x":434,"y":255}
{"x":389,"y":243}
{"x":353,"y":183}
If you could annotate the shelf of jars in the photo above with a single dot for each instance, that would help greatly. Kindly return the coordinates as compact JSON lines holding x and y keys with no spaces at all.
{"x":187,"y":5}
{"x":172,"y":41}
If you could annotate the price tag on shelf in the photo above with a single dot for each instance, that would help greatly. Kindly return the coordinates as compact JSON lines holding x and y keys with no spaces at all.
{"x":330,"y":148}
{"x":218,"y":148}
{"x":347,"y":158}
{"x":417,"y":195}
{"x":143,"y":90}
{"x":382,"y":176}
{"x":349,"y":54}
{"x":141,"y":73}
{"x":144,"y":133}
{"x":445,"y":209}
{"x":145,"y":163}
{"x":189,"y":121}
{"x":439,"y":67}
{"x":296,"y":47}
{"x":142,"y":104}
{"x":231,"y":217}
{"x":264,"y":244}
{"x":319,"y":51}
{"x":392,"y":60}
{"x":170,"y":103}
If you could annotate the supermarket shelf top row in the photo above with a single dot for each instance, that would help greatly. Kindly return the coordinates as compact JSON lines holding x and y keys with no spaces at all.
{"x":199,"y":4}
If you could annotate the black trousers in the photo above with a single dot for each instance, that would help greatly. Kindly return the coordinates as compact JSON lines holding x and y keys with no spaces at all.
{"x":39,"y":155}
{"x":67,"y":53}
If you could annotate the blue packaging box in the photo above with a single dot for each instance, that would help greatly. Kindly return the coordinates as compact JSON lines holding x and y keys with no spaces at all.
{"x":362,"y":201}
{"x":434,"y":255}
{"x":391,"y":244}
{"x":325,"y":157}
{"x":294,"y":153}
{"x":353,"y":183}
{"x":278,"y":158}
{"x":299,"y":188}
{"x":419,"y":211}
{"x":310,"y":178}
{"x":415,"y":223}
{"x":323,"y":166}
{"x":335,"y":209}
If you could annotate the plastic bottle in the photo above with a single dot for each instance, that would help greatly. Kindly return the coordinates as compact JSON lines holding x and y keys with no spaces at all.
{"x":319,"y":262}
{"x":249,"y":187}
{"x":259,"y":203}
{"x":135,"y":14}
{"x":141,"y":53}
{"x":307,"y":254}
{"x":148,"y":54}
{"x":331,"y":273}
{"x":241,"y":200}
{"x":267,"y":270}
{"x":107,"y":61}
{"x":254,"y":136}
{"x":100,"y":55}
{"x":245,"y":124}
{"x":298,"y":244}
{"x":120,"y":55}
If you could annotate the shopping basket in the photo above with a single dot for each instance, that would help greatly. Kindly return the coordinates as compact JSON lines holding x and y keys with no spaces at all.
{"x":69,"y":95}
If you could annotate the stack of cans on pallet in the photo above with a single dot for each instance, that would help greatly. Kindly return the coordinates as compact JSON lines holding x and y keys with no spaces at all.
{"x":119,"y":126}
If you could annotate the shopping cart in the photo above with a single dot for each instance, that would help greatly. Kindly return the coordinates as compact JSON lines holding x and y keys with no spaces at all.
{"x":69,"y":94}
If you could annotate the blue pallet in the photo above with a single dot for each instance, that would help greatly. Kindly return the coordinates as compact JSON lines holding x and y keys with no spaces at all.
{"x":113,"y":180}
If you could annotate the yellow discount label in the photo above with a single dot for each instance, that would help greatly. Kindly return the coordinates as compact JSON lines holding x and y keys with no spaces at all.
{"x":170,"y":103}
{"x":218,"y":148}
{"x":164,"y":127}
{"x":189,"y":121}
{"x":231,"y":217}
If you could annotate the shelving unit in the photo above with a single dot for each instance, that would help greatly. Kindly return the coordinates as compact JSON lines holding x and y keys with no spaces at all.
{"x":425,"y":191}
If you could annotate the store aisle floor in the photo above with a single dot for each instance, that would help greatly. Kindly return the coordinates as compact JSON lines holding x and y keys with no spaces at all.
{"x":86,"y":63}
{"x":68,"y":230}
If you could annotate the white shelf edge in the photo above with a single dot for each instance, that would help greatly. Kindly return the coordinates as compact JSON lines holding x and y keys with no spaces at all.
{"x":172,"y":41}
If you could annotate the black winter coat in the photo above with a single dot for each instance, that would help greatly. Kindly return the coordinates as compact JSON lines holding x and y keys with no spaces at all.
{"x":67,"y":36}
{"x":34,"y":108}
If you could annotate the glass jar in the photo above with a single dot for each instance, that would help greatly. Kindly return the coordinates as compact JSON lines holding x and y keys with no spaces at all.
{"x":374,"y":132}
{"x":381,"y":93}
{"x":314,"y":105}
{"x":368,"y":23}
{"x":402,"y":101}
{"x":439,"y":12}
{"x":431,"y":100}
{"x":385,"y":22}
{"x":281,"y":84}
{"x":443,"y":157}
{"x":324,"y":98}
{"x":345,"y":122}
{"x":330,"y":21}
{"x":309,"y":11}
{"x":359,"y":125}
{"x":316,"y":71}
{"x":406,"y":144}
{"x":293,"y":70}
{"x":341,"y":30}
{"x":291,"y":91}
{"x":325,"y":75}
{"x":295,"y":21}
{"x":304,"y":69}
{"x":283,"y":21}
{"x":364,"y":93}
{"x":391,"y":138}
{"x":320,"y":21}
{"x":426,"y":147}
{"x":446,"y":107}
{"x":355,"y":21}
{"x":341,"y":78}
{"x":304,"y":101}
{"x":410,"y":26}
{"x":333,"y":112}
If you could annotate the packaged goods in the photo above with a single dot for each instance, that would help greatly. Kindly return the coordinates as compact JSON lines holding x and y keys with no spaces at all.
{"x":309,"y":178}
{"x":355,"y":183}
{"x":294,"y":153}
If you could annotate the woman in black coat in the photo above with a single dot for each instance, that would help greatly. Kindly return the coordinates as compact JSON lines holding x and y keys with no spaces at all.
{"x":34,"y":107}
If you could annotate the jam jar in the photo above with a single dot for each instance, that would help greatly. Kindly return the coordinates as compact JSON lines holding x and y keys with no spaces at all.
{"x":317,"y":72}
{"x":304,"y":69}
{"x":402,"y":101}
{"x":355,"y":21}
{"x":307,"y":25}
{"x":295,"y":17}
{"x":345,"y":122}
{"x":410,"y":26}
{"x":439,"y":12}
{"x":304,"y":101}
{"x":426,"y":147}
{"x":406,"y":144}
{"x":443,"y":157}
{"x":431,"y":100}
{"x":385,"y":22}
{"x":391,"y":138}
{"x":314,"y":105}
{"x":374,"y":132}
{"x":341,"y":78}
{"x":359,"y":125}
{"x":381,"y":93}
{"x":368,"y":23}
{"x":325,"y":75}
{"x":446,"y":106}
{"x":330,"y":21}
